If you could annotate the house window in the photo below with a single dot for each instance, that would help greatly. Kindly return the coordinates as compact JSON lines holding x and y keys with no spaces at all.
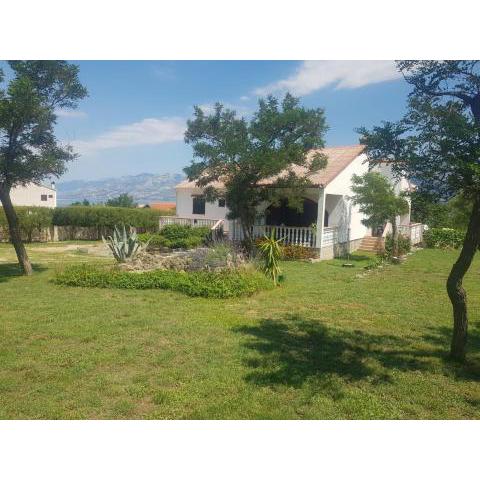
{"x":325,"y":219}
{"x":43,"y":198}
{"x":50,"y":196}
{"x":221,"y":202}
{"x":198,"y":205}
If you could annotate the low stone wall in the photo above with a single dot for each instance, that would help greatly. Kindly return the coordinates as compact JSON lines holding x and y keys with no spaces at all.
{"x":57,"y":233}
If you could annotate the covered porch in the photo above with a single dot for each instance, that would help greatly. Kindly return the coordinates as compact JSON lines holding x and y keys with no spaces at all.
{"x":322,"y":222}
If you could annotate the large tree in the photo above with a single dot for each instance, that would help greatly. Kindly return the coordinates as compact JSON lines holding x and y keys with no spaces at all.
{"x":378,"y":202}
{"x":244,"y":154}
{"x":437,"y":144}
{"x":29,"y":150}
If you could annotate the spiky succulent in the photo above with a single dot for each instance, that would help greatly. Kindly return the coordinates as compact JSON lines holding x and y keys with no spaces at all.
{"x":123,"y":244}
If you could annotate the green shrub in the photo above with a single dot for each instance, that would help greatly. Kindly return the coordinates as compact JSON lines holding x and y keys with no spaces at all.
{"x":443,"y":238}
{"x":31,"y":219}
{"x":107,"y":217}
{"x":271,"y":252}
{"x":297,"y":252}
{"x":404,"y":245}
{"x":222,"y":284}
{"x":176,"y":236}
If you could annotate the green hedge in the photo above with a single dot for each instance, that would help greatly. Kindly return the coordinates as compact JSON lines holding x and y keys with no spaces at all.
{"x":223,"y":284}
{"x":176,"y":236}
{"x":31,"y":219}
{"x":106,"y":217}
{"x":443,"y":238}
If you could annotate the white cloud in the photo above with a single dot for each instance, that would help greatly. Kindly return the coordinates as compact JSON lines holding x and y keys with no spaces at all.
{"x":150,"y":131}
{"x":315,"y":75}
{"x":70,"y":113}
{"x":241,"y":110}
{"x":244,"y":98}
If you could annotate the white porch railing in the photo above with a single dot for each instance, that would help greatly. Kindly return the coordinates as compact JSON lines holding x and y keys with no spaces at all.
{"x":330,"y":236}
{"x":193,"y":222}
{"x":304,"y":236}
{"x":414,"y":231}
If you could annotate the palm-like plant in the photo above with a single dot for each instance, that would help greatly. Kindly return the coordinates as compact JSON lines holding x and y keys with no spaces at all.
{"x":271,"y":251}
{"x":124,"y":245}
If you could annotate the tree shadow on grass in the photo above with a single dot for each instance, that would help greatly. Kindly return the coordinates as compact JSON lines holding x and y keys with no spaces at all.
{"x":8,"y":271}
{"x":470,"y":370}
{"x":293,"y":351}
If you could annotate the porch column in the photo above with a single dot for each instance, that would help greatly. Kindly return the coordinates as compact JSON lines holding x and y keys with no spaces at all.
{"x":320,"y":215}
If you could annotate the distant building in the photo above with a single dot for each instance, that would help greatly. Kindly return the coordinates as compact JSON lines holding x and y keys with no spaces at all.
{"x":160,"y":206}
{"x":34,"y":195}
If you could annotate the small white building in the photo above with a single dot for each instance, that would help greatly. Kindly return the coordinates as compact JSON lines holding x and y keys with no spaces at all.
{"x":34,"y":195}
{"x":329,"y":221}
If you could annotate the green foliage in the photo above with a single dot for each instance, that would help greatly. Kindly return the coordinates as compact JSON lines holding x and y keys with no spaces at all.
{"x":123,"y":200}
{"x":29,"y":150}
{"x":223,"y":284}
{"x":242,"y":153}
{"x":271,"y":252}
{"x":124,"y":245}
{"x":377,"y":199}
{"x":404,"y":245}
{"x":107,"y":217}
{"x":437,"y":142}
{"x":443,"y":238}
{"x":298,"y":252}
{"x":177,"y":236}
{"x":452,"y":214}
{"x":31,"y":220}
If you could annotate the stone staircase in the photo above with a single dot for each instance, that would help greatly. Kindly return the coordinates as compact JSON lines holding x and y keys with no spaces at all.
{"x":372,"y":244}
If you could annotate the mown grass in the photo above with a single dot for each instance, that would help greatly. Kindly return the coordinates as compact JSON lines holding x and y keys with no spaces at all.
{"x":326,"y":344}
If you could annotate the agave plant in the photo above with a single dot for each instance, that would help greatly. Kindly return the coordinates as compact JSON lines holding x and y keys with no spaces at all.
{"x":271,"y":251}
{"x":124,"y":245}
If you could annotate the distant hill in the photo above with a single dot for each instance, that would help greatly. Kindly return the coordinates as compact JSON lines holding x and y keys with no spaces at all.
{"x":144,"y":188}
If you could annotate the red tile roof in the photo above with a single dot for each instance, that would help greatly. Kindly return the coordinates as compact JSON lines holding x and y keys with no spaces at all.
{"x":338,"y":158}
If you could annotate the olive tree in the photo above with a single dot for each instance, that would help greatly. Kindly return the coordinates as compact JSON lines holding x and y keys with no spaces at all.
{"x":29,"y":150}
{"x":248,"y":156}
{"x":437,"y":145}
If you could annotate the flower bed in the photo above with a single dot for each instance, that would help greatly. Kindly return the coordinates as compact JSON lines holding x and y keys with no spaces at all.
{"x":219,"y":284}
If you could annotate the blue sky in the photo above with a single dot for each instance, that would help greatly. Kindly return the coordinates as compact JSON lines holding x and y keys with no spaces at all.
{"x":133,"y":120}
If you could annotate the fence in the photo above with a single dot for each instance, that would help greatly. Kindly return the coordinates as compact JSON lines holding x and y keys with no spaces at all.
{"x":193,"y":222}
{"x":414,"y":231}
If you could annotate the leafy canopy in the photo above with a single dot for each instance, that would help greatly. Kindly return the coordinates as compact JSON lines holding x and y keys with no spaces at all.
{"x":29,"y":150}
{"x":377,"y":199}
{"x":242,"y":154}
{"x":437,"y":142}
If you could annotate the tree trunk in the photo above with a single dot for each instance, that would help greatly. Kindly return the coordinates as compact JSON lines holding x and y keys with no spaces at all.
{"x":394,"y":237}
{"x":14,"y":231}
{"x":456,"y":292}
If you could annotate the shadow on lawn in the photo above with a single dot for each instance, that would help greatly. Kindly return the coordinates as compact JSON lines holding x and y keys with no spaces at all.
{"x":294,"y":351}
{"x":12,"y":270}
{"x":442,"y":336}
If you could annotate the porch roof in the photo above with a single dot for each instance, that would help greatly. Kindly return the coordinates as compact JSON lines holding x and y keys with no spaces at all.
{"x":338,"y":158}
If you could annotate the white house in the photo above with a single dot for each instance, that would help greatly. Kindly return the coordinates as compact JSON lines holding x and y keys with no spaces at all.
{"x":329,"y":222}
{"x":34,"y":195}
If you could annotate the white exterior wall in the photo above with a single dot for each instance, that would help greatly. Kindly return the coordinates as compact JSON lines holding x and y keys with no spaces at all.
{"x":400,"y":186}
{"x":341,"y":185}
{"x":185,"y":205}
{"x":31,"y":196}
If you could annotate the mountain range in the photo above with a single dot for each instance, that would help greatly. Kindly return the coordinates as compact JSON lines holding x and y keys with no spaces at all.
{"x":145,"y":188}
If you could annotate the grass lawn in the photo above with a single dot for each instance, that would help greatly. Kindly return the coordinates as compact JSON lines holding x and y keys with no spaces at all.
{"x":327,"y":345}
